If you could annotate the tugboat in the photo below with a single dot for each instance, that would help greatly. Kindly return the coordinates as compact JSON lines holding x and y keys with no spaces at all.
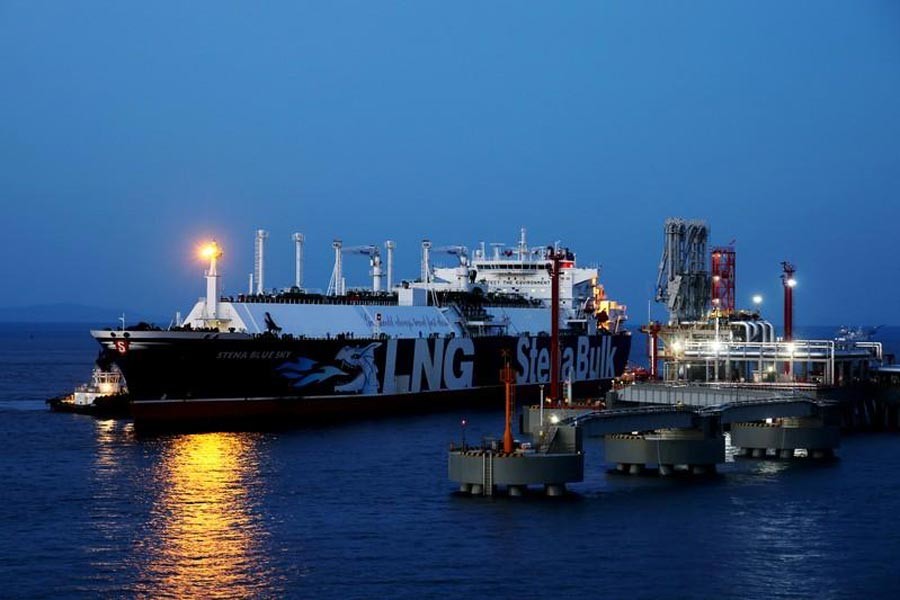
{"x":105,"y":396}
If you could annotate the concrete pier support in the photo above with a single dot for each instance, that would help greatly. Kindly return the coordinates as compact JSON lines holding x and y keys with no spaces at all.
{"x":515,"y":491}
{"x":784,"y":436}
{"x":558,"y":489}
{"x":483,"y":471}
{"x":692,"y":450}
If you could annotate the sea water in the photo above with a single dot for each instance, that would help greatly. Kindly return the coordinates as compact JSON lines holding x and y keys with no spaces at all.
{"x":365,"y":510}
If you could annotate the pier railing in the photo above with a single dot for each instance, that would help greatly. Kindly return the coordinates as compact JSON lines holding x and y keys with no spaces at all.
{"x":767,"y":357}
{"x":702,"y":395}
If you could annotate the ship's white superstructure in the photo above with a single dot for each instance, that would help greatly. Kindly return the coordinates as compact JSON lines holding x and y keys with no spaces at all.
{"x":518,"y":270}
{"x":514,"y":283}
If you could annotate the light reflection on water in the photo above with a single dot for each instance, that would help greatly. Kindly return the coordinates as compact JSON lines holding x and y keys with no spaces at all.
{"x":89,"y":510}
{"x":771,"y":468}
{"x":110,"y":434}
{"x":204,"y":537}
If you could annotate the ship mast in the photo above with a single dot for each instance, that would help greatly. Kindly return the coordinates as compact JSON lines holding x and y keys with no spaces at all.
{"x":298,"y":260}
{"x":212,"y":252}
{"x":508,"y":378}
{"x":555,"y":255}
{"x":389,"y":245}
{"x":259,"y":259}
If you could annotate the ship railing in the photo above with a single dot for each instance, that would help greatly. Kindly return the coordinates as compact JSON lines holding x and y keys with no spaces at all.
{"x":486,"y":330}
{"x":354,"y":298}
{"x":470,"y":329}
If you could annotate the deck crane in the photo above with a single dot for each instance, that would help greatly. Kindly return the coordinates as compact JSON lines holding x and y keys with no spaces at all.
{"x":337,"y":287}
{"x":460,"y":252}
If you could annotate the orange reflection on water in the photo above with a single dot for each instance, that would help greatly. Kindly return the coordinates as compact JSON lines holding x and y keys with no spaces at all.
{"x":205,"y":538}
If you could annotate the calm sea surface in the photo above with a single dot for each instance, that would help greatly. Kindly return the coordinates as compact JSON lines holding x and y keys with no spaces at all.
{"x":365,"y":510}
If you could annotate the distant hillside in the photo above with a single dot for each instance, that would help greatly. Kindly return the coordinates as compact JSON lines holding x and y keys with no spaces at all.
{"x":73,"y":313}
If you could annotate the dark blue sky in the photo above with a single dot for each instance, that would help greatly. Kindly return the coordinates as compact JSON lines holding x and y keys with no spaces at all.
{"x":131,"y":131}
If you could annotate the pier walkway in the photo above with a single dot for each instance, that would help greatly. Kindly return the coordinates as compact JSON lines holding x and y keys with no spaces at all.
{"x":650,"y":418}
{"x":689,"y":409}
{"x":683,"y":428}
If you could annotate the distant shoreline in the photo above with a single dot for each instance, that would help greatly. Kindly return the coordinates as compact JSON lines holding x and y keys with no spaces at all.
{"x":75,"y":313}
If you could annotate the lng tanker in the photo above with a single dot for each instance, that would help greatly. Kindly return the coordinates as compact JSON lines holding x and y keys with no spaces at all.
{"x":433,"y":343}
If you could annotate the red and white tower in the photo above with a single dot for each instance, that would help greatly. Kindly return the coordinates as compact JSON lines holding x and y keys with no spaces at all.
{"x":722,"y":272}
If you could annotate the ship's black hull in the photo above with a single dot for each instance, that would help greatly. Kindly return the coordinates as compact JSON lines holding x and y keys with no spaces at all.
{"x":179,"y":379}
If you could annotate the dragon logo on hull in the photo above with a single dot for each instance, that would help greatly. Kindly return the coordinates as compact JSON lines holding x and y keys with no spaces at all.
{"x":363,"y":359}
{"x":303,"y":371}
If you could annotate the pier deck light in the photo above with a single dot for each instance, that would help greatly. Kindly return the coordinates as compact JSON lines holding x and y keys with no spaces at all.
{"x":791,"y":282}
{"x":757,"y":299}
